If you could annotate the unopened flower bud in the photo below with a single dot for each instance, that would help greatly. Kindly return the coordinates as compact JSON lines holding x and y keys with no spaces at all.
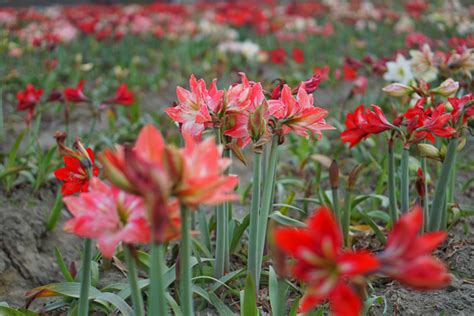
{"x":442,"y":152}
{"x":352,"y":179}
{"x":334,"y":175}
{"x":447,"y":88}
{"x":420,"y":183}
{"x":429,"y":151}
{"x":462,"y":143}
{"x":257,"y":123}
{"x":397,"y":90}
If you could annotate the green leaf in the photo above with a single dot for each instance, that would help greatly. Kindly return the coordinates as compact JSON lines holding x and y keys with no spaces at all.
{"x":249,"y":304}
{"x":361,"y":198}
{"x":55,"y":213}
{"x":220,"y":306}
{"x":62,"y":265}
{"x":273,"y":289}
{"x":204,"y":229}
{"x":9,"y":311}
{"x":380,"y":236}
{"x":116,"y":301}
{"x":238,"y":232}
{"x":285,"y":220}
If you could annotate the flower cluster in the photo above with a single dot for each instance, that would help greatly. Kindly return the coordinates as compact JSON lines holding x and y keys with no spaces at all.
{"x":332,"y":273}
{"x":244,"y":114}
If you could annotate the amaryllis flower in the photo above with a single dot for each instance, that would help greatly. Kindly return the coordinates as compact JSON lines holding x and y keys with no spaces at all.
{"x":278,"y":56}
{"x":426,"y":123}
{"x":77,"y":173}
{"x":323,"y":266}
{"x":123,"y":96}
{"x":360,"y":85}
{"x":310,"y":85}
{"x":298,"y":55}
{"x":242,"y":99}
{"x":458,"y":105}
{"x":298,"y":114}
{"x":76,"y":94}
{"x":28,"y":99}
{"x":202,"y":177}
{"x":193,"y":109}
{"x":362,"y":123}
{"x":109,"y":215}
{"x":407,"y":255}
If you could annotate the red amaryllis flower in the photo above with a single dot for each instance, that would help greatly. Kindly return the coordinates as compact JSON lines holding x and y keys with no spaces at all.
{"x":458,"y":105}
{"x":360,"y":85}
{"x":426,"y":123}
{"x":202,"y":178}
{"x":28,"y":99}
{"x":109,"y":215}
{"x":76,"y":94}
{"x":310,"y":85}
{"x":361,"y":124}
{"x":322,"y":264}
{"x":298,"y":55}
{"x":298,"y":114}
{"x":278,"y":56}
{"x":76,"y":174}
{"x":323,"y":72}
{"x":350,"y":73}
{"x":123,"y":96}
{"x":194,"y":106}
{"x":407,"y":256}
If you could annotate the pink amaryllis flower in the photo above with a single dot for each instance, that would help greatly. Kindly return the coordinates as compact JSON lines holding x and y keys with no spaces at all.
{"x":28,"y":99}
{"x":322,"y":264}
{"x":298,"y":114}
{"x":193,"y":109}
{"x":242,"y":99}
{"x":407,"y":255}
{"x":202,"y":177}
{"x":362,"y":123}
{"x":109,"y":215}
{"x":123,"y":96}
{"x":76,"y":94}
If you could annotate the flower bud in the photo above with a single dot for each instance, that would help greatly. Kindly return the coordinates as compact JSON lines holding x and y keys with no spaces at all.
{"x":334,"y":175}
{"x":447,"y":88}
{"x":462,"y":143}
{"x":397,"y":90}
{"x":257,"y":124}
{"x":113,"y":162}
{"x":429,"y":151}
{"x":420,"y":183}
{"x":352,"y":179}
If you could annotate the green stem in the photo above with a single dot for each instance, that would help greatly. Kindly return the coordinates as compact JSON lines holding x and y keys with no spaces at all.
{"x":266,"y":206}
{"x":185,"y":284}
{"x":437,"y":207}
{"x":346,"y":220}
{"x":404,"y":181}
{"x":426,"y":202}
{"x":335,"y":205}
{"x":221,"y":254}
{"x":282,"y":296}
{"x":157,"y":301}
{"x":391,"y":184}
{"x":254,"y":212}
{"x":86,"y":279}
{"x":137,"y":299}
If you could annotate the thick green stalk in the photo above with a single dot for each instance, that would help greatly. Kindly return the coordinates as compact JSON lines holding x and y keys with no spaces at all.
{"x":346,"y":220}
{"x":157,"y":304}
{"x":335,"y":205}
{"x":267,"y":197}
{"x":221,"y":239}
{"x":83,"y":309}
{"x":426,"y":202}
{"x":137,"y":299}
{"x":391,"y":184}
{"x":185,"y":284}
{"x":438,"y":207}
{"x":282,"y":295}
{"x":254,"y":214}
{"x":404,"y":181}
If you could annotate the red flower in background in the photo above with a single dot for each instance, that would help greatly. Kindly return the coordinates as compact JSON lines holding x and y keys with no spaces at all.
{"x":278,"y":56}
{"x":322,"y":264}
{"x":28,"y":99}
{"x":362,"y":123}
{"x":407,"y":255}
{"x":360,"y":85}
{"x":76,"y":174}
{"x":323,"y":72}
{"x":76,"y":94}
{"x":350,"y":73}
{"x":416,"y":39}
{"x":123,"y":96}
{"x":415,"y":8}
{"x":298,"y":55}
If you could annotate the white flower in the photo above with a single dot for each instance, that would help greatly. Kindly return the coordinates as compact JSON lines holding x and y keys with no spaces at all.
{"x":248,"y":49}
{"x":399,"y":70}
{"x":422,"y":64}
